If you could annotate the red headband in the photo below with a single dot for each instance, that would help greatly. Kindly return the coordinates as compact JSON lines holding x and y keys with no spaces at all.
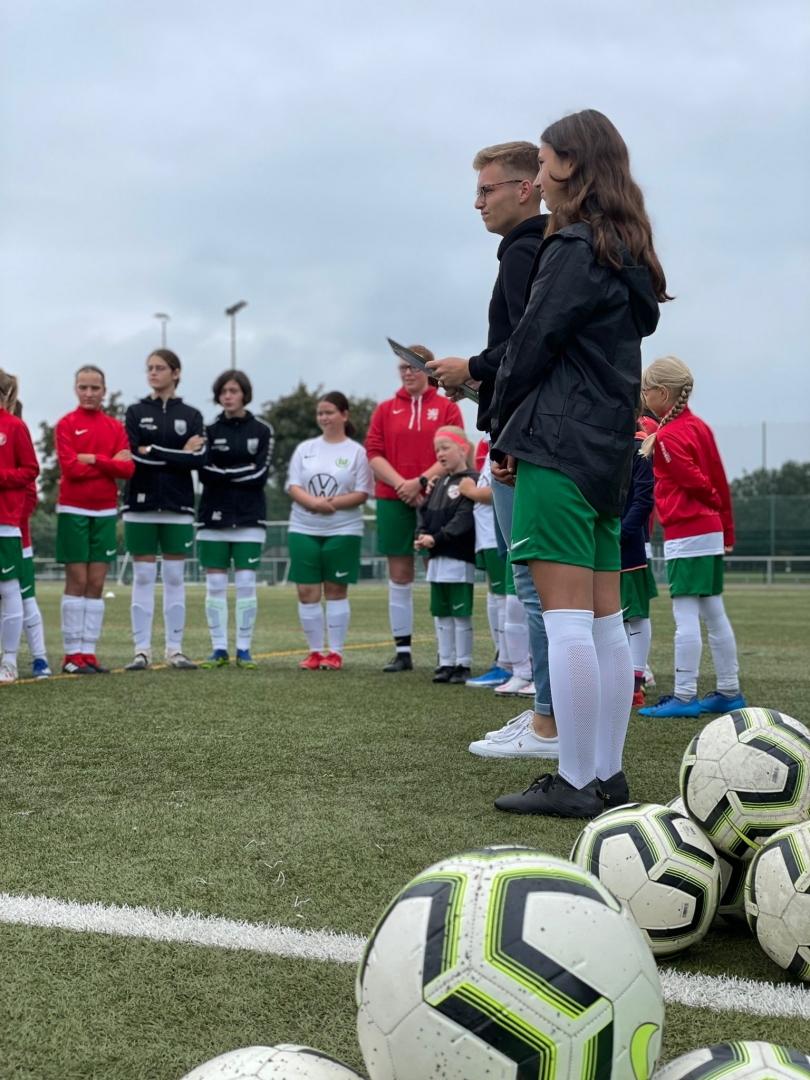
{"x":452,"y":435}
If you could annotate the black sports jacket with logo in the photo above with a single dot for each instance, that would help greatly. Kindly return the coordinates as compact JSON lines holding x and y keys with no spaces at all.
{"x":447,"y":516}
{"x":162,"y":479}
{"x":235,"y":472}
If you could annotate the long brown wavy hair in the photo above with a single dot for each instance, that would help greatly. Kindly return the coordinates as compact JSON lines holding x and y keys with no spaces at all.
{"x":602,"y":192}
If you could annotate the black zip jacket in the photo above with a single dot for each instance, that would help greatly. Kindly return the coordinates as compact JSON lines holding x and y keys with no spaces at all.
{"x":517,"y":253}
{"x":447,"y":516}
{"x":567,"y":391}
{"x":636,"y":514}
{"x":162,"y":478}
{"x":235,"y":472}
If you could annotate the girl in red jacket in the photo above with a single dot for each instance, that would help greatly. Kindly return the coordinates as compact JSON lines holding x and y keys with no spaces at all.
{"x":693,"y":503}
{"x":18,"y":469}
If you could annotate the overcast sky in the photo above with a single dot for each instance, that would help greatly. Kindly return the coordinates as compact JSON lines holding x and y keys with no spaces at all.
{"x":315,"y":159}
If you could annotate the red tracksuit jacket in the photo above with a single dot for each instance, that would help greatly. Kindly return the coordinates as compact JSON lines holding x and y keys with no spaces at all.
{"x":91,"y":487}
{"x":18,"y":468}
{"x":402,"y":431}
{"x":692,"y":497}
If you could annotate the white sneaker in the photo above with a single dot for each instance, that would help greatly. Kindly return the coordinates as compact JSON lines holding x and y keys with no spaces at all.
{"x":179,"y":660}
{"x":524,"y":742}
{"x":527,"y":691}
{"x":8,"y":672}
{"x":649,"y":678}
{"x":517,"y":723}
{"x":511,"y":688}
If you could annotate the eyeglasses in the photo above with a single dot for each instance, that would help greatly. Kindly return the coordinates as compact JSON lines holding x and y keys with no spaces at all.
{"x":487,"y":189}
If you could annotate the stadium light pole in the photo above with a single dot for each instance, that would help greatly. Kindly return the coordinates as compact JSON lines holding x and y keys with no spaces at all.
{"x":231,"y":312}
{"x":164,"y":318}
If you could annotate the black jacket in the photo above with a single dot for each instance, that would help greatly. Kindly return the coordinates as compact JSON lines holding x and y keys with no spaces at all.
{"x":447,"y":516}
{"x":162,"y":478}
{"x":516,"y":257}
{"x":235,"y":473}
{"x":636,"y":514}
{"x":568,"y":389}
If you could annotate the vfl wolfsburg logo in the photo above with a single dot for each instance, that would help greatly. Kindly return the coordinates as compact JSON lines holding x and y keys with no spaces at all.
{"x":323,"y":485}
{"x":341,"y":462}
{"x":252,"y":446}
{"x":180,"y":427}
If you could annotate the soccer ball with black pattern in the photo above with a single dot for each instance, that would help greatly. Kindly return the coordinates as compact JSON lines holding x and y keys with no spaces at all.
{"x":661,"y":865}
{"x":283,"y":1062}
{"x":507,"y":963}
{"x":777,"y":899}
{"x":738,"y":1061}
{"x":745,"y":776}
{"x":731,"y":908}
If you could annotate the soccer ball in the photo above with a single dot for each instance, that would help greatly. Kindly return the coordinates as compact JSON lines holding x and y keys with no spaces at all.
{"x":504,"y":963}
{"x":661,"y":864}
{"x":777,"y":899}
{"x":738,"y":1061}
{"x":731,"y":908}
{"x":745,"y":776}
{"x":283,"y":1062}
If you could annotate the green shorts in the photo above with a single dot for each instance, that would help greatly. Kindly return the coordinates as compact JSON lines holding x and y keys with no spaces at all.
{"x":495,"y":568}
{"x":638,"y":588}
{"x":27,"y":579}
{"x":81,"y":538}
{"x":218,"y":554}
{"x":11,"y":560}
{"x":396,"y":527}
{"x":314,"y":559}
{"x":699,"y":576}
{"x":451,"y":600}
{"x":554,"y":522}
{"x":156,"y":538}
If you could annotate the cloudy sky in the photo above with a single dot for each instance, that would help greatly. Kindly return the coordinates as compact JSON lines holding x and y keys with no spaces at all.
{"x":315,"y":160}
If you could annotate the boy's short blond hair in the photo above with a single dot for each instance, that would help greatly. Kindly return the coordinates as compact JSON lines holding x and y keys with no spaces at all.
{"x":517,"y":159}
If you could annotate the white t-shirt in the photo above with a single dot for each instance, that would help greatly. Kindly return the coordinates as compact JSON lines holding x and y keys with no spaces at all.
{"x":446,"y":571}
{"x":328,"y":469}
{"x":483,"y":513}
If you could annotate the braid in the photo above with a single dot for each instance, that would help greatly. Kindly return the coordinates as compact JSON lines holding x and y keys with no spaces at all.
{"x":648,"y":445}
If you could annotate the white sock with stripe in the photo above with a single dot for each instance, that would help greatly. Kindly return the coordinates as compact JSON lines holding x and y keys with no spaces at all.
{"x":311,"y":616}
{"x":174,"y":603}
{"x":615,"y":692}
{"x":93,"y":620}
{"x":144,"y":576}
{"x":573,"y":669}
{"x":338,"y":614}
{"x":247,"y":606}
{"x":72,"y":623}
{"x":34,"y":630}
{"x":216,"y":609}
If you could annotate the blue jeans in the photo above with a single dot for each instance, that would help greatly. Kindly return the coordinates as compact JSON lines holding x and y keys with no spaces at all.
{"x":503,"y":500}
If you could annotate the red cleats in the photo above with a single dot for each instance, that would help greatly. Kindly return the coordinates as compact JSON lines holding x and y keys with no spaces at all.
{"x":75,"y":665}
{"x":639,"y":701}
{"x":332,"y":662}
{"x":91,"y":662}
{"x":312,"y":662}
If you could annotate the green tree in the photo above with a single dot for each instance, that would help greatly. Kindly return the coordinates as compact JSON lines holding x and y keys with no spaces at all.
{"x":793,"y":478}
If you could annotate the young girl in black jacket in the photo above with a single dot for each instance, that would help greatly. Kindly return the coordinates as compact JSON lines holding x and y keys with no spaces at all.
{"x":565,"y":403}
{"x":446,"y":533}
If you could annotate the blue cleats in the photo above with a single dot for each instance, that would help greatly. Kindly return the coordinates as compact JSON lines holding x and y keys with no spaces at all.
{"x":721,"y":703}
{"x":496,"y":676}
{"x":669,"y":705}
{"x":41,"y":669}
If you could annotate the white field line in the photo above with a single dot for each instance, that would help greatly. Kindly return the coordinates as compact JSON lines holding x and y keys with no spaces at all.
{"x":719,"y":993}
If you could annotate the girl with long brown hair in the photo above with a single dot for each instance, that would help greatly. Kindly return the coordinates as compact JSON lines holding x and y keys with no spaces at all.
{"x":566,"y":398}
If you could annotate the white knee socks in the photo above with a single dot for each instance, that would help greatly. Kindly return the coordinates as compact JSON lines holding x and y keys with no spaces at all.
{"x":639,"y":638}
{"x":311,"y":616}
{"x":688,"y":645}
{"x":516,"y":632}
{"x":575,"y":690}
{"x":400,"y":612}
{"x":464,"y":641}
{"x":493,"y":618}
{"x":174,"y":603}
{"x":11,"y":619}
{"x":144,"y":576}
{"x":91,"y":631}
{"x":247,"y":606}
{"x":615,"y":692}
{"x":721,"y":643}
{"x":34,"y":631}
{"x":72,"y":624}
{"x":446,"y":637}
{"x":338,"y":614}
{"x":216,"y":609}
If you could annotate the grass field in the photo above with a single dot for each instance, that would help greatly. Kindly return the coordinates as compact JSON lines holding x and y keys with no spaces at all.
{"x":282,"y":797}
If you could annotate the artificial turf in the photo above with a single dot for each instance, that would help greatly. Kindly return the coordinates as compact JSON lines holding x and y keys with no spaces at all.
{"x":307,"y":799}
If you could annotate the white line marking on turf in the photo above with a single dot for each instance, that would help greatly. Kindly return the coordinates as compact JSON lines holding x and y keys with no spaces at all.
{"x":719,"y":993}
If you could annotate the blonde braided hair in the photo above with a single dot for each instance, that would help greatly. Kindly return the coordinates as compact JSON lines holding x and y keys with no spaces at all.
{"x":667,"y":373}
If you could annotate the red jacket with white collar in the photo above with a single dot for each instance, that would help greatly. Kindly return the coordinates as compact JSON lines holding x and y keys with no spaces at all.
{"x":402,"y":431}
{"x":18,"y":468}
{"x":91,"y":487}
{"x":691,"y":491}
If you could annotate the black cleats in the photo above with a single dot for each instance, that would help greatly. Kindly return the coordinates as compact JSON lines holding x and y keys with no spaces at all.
{"x":615,"y":791}
{"x":460,"y":675}
{"x":444,"y":674}
{"x":555,"y":797}
{"x":401,"y":662}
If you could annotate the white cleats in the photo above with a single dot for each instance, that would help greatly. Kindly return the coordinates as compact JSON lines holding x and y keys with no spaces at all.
{"x":513,"y":687}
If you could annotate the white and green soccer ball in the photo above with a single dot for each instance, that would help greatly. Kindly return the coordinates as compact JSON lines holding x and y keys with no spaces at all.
{"x":745,"y":776}
{"x":738,"y":1061}
{"x":661,"y":865}
{"x":506,"y":963}
{"x":283,"y":1062}
{"x":777,"y":899}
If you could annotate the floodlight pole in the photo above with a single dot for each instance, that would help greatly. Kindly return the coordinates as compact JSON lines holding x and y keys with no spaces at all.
{"x":164,"y":318}
{"x":231,"y":312}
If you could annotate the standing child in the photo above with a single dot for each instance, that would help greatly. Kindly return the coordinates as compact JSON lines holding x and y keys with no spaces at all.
{"x":637,"y":583}
{"x":446,"y":532}
{"x":693,"y":502}
{"x":32,"y":616}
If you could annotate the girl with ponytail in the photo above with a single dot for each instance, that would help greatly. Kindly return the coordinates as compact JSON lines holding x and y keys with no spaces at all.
{"x":693,"y":502}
